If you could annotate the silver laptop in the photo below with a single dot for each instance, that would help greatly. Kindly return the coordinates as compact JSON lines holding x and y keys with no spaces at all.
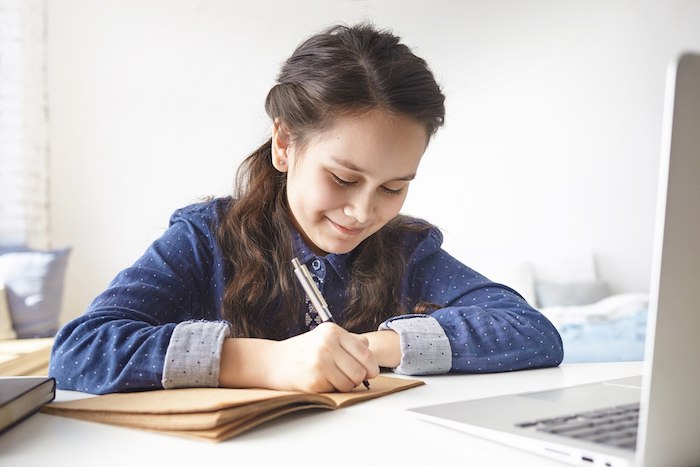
{"x":652,"y":420}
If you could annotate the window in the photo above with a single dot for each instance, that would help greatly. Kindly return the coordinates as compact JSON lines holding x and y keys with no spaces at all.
{"x":24,"y":193}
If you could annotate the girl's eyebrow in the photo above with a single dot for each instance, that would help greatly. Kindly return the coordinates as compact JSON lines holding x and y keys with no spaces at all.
{"x":350,"y":165}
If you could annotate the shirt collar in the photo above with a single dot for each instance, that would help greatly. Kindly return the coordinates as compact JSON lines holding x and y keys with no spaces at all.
{"x":302,"y":251}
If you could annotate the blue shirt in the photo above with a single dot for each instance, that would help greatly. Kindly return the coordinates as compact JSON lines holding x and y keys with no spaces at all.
{"x":159,"y":324}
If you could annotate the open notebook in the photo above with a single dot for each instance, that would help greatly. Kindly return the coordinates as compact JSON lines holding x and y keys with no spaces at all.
{"x":213,"y":414}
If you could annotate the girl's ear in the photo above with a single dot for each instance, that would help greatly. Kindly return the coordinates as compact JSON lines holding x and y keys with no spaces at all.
{"x":280,"y":145}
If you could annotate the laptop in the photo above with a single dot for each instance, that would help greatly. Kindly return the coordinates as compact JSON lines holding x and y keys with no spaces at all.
{"x":653,"y":419}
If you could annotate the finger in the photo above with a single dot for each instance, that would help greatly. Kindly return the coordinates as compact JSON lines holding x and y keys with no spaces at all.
{"x":357,"y":348}
{"x":352,"y":361}
{"x":347,"y":374}
{"x":362,"y":339}
{"x":371,"y":362}
{"x":332,"y":363}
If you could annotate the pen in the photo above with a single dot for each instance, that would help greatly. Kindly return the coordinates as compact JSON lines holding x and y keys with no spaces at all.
{"x":317,"y":300}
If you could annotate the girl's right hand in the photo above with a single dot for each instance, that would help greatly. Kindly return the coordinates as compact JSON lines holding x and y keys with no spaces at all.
{"x":326,"y":359}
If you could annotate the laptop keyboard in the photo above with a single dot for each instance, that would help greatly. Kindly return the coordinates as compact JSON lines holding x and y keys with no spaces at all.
{"x":615,"y":426}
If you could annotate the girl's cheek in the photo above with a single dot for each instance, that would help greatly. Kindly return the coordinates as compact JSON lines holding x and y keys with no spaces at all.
{"x":327,"y":197}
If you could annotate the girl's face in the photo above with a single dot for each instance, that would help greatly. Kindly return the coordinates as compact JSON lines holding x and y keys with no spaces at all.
{"x":348,"y":181}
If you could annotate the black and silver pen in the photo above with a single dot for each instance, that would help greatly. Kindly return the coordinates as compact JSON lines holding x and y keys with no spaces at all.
{"x":317,"y":300}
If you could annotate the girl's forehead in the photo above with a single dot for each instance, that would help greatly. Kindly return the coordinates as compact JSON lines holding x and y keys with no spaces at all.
{"x":377,"y":137}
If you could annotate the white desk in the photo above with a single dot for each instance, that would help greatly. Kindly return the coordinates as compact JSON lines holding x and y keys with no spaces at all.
{"x":372,"y":433}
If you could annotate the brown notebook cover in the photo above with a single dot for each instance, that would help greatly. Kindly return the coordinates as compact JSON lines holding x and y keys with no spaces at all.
{"x":213,"y":414}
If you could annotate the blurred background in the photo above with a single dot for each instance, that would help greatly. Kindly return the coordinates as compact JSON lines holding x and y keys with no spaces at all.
{"x":125,"y":110}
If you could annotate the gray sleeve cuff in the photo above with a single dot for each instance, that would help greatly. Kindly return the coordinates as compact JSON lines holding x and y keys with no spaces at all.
{"x":194,"y":354}
{"x":425,"y":349}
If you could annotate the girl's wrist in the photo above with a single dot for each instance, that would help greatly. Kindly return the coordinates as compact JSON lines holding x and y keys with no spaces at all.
{"x":244,"y":363}
{"x":386,"y":347}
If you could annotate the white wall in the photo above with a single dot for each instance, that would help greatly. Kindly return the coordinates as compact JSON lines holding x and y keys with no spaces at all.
{"x":550,"y":147}
{"x":24,"y":188}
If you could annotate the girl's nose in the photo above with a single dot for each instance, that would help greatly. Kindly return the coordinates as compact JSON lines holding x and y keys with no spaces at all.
{"x":360,"y":208}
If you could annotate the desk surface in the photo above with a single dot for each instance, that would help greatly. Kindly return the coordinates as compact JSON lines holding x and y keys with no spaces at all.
{"x":376,"y":432}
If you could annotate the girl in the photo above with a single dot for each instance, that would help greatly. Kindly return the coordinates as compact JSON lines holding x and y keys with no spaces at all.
{"x":214,"y":301}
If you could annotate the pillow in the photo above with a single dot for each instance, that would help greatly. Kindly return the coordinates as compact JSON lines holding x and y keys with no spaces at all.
{"x":33,"y":283}
{"x":570,"y":293}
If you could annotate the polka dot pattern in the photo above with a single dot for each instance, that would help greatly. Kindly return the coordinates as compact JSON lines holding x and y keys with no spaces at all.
{"x":158,"y":322}
{"x":194,"y":353}
{"x":120,"y":342}
{"x":489,"y":326}
{"x":424,"y":345}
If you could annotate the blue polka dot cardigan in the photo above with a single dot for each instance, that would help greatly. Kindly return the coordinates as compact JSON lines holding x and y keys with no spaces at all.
{"x":158,"y":324}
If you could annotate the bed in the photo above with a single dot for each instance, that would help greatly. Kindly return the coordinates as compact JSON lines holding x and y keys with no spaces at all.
{"x":610,"y":330}
{"x":596,"y":324}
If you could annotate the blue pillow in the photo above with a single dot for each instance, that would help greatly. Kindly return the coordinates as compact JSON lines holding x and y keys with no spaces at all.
{"x":33,"y":282}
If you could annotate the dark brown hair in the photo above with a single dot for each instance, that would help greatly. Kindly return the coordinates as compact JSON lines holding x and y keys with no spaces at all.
{"x":341,"y":71}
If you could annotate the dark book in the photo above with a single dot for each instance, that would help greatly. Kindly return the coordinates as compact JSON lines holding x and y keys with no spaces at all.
{"x":21,"y":396}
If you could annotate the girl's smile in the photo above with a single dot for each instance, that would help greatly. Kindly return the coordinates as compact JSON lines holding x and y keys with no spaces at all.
{"x":346,"y":230}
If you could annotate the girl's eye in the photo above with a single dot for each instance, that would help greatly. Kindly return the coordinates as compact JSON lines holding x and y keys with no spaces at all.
{"x":391,"y":192}
{"x":346,"y":183}
{"x":340,"y":181}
